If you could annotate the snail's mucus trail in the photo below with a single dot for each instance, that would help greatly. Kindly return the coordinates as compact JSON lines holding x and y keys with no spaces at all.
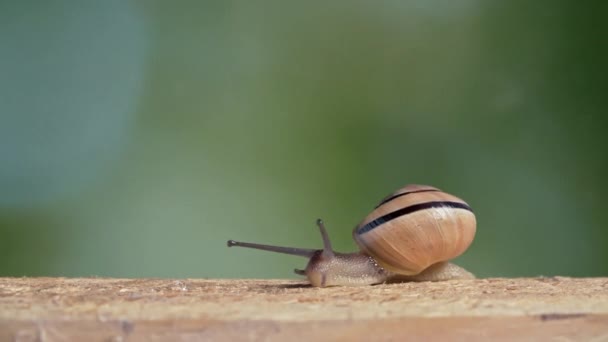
{"x":408,"y":210}
{"x":403,"y":194}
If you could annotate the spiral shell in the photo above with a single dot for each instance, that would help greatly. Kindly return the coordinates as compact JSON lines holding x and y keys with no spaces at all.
{"x":415,"y":227}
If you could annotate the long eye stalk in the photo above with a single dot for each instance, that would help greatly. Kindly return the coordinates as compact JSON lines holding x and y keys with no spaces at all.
{"x":305,"y":252}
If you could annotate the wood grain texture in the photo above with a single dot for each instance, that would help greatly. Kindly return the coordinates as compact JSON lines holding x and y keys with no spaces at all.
{"x":99,"y":309}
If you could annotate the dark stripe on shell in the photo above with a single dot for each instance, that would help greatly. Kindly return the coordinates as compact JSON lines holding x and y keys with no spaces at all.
{"x":408,"y":210}
{"x":388,"y":199}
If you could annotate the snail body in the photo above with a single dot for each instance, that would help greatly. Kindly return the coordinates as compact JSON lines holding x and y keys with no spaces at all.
{"x":410,"y":236}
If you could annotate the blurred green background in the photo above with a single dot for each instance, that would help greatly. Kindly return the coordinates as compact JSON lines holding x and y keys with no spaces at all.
{"x":137,"y":137}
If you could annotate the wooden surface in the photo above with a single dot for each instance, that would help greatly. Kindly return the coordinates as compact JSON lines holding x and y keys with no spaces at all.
{"x":97,"y":309}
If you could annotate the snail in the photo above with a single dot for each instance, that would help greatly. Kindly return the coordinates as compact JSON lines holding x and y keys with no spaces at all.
{"x":410,"y":236}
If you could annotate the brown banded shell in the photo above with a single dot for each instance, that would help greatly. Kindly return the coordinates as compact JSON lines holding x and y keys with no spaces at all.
{"x":415,"y":227}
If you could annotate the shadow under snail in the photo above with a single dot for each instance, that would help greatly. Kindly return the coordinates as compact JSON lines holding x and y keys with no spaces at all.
{"x":410,"y":236}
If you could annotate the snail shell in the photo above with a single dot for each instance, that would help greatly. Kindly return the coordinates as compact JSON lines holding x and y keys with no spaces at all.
{"x":416,"y":227}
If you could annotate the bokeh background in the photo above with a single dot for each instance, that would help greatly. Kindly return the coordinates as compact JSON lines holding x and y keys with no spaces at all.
{"x":137,"y":137}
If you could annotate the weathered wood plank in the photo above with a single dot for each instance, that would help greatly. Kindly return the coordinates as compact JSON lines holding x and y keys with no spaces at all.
{"x":194,"y":309}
